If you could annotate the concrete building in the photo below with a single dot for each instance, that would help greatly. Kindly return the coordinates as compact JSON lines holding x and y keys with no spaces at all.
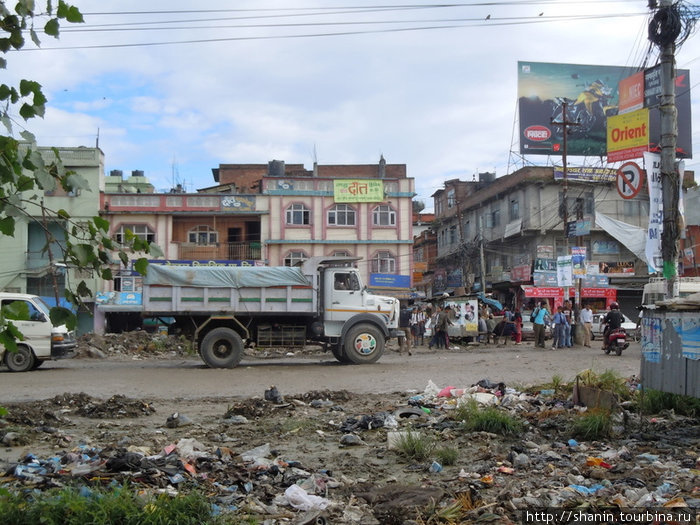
{"x":32,"y":265}
{"x":515,"y":224}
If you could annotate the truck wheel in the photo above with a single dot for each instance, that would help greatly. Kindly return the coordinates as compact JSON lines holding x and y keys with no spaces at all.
{"x":339,"y":354}
{"x":364,"y":344}
{"x":222,"y":348}
{"x":20,"y":361}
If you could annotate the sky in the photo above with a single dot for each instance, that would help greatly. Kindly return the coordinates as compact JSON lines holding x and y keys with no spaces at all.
{"x":176,"y":88}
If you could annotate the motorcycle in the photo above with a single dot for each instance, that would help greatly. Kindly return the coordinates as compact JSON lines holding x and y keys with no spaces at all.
{"x":616,"y":340}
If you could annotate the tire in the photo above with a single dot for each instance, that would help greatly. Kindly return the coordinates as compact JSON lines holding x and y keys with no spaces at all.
{"x":606,"y":350}
{"x":618,"y":350}
{"x":339,"y":354}
{"x":222,"y":348}
{"x":364,"y":344}
{"x":20,"y":361}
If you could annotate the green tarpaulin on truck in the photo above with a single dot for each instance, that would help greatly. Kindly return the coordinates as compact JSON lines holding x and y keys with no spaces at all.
{"x":231,"y":276}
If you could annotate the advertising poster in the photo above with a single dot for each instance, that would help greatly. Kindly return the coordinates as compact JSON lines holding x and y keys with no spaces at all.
{"x":591,"y":93}
{"x":578,"y":260}
{"x":359,"y":190}
{"x":466,"y":314}
{"x":564,"y":271}
{"x":656,"y":213}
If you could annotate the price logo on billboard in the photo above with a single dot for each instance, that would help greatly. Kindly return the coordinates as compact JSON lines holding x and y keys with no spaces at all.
{"x":630,"y":179}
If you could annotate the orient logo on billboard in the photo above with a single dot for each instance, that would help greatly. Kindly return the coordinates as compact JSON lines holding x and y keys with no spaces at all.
{"x":537,"y":133}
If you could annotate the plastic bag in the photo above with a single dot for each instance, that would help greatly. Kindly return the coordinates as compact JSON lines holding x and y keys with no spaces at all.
{"x":298,"y":498}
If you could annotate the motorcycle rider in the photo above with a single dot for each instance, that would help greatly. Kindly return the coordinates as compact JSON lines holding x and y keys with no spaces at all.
{"x":612,"y":320}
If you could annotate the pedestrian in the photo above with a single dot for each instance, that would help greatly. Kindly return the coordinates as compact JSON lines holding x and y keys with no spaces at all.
{"x":434,"y":327}
{"x":417,"y":325}
{"x":560,"y":324}
{"x":587,"y":320}
{"x":540,"y":318}
{"x":404,"y":326}
{"x":568,"y":331}
{"x":518,"y":322}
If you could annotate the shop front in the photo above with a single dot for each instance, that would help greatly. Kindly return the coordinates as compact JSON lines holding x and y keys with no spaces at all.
{"x":597,"y":298}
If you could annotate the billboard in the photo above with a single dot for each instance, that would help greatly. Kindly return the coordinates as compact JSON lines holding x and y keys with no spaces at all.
{"x":592,"y":95}
{"x":358,"y":190}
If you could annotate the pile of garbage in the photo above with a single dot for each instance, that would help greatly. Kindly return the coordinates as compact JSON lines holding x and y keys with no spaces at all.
{"x":336,"y":457}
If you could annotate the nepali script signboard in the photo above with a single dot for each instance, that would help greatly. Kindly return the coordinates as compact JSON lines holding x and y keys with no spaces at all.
{"x":358,"y":190}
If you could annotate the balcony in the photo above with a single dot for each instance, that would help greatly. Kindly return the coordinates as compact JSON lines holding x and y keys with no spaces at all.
{"x":244,"y":251}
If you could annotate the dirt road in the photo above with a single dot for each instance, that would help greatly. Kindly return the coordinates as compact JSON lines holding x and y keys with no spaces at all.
{"x":189,"y":379}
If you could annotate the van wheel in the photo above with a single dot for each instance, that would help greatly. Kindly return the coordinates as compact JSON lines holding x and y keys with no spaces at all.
{"x":20,"y":361}
{"x":222,"y":348}
{"x":364,"y":343}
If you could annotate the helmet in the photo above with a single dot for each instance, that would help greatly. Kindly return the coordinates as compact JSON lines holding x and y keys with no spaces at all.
{"x":614,"y":306}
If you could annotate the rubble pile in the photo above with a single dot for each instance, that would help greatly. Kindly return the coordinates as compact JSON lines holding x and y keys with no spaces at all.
{"x":335,"y":456}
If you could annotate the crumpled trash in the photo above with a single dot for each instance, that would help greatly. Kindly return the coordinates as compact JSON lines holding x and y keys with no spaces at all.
{"x":298,"y":498}
{"x":177,"y":420}
{"x":273,"y":395}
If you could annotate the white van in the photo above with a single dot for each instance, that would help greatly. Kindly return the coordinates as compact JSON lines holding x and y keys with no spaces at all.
{"x":40,"y":339}
{"x":655,"y":290}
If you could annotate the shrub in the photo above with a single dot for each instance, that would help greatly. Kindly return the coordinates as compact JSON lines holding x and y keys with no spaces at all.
{"x":415,"y":446}
{"x":594,"y":424}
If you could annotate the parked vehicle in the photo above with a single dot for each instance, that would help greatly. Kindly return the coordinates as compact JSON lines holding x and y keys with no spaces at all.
{"x":225,"y":309}
{"x":598,"y":326}
{"x":40,"y":341}
{"x":616,"y":341}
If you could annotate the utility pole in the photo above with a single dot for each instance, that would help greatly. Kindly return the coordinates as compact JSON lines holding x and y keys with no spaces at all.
{"x":565,"y":124}
{"x":664,"y":35}
{"x":482,"y":262}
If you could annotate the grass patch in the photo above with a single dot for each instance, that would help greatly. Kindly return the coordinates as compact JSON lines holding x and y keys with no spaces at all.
{"x":655,"y":401}
{"x":594,"y":424}
{"x":446,"y":455}
{"x":609,"y":380}
{"x":415,"y":446}
{"x":489,"y":419}
{"x":72,"y":506}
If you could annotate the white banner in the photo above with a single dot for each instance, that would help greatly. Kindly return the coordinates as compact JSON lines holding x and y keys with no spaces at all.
{"x":652,"y":250}
{"x":564,"y":273}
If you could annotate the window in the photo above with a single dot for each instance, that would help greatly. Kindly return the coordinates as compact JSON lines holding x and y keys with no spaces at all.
{"x":453,"y":234}
{"x":384,"y":216}
{"x":495,"y":217}
{"x":341,"y":253}
{"x":383,"y":262}
{"x":514,"y":210}
{"x":341,"y":215}
{"x":346,"y":281}
{"x":298,"y":214}
{"x":466,"y":233}
{"x":295,"y":258}
{"x":583,"y":204}
{"x":451,"y":199}
{"x":141,"y":231}
{"x":203,"y":235}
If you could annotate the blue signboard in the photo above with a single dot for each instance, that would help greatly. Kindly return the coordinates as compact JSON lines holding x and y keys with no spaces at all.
{"x":389,"y":280}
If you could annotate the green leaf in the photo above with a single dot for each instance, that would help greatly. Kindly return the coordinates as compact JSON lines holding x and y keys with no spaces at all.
{"x":83,"y":290}
{"x":27,"y":111}
{"x":9,"y":342}
{"x":60,"y":315}
{"x":141,"y":265}
{"x":107,"y":274}
{"x":35,"y":37}
{"x":51,"y":27}
{"x":7,"y":226}
{"x":84,"y":254}
{"x":124,"y":258}
{"x":101,"y":223}
{"x":63,"y":214}
{"x":74,"y":16}
{"x":28,"y":136}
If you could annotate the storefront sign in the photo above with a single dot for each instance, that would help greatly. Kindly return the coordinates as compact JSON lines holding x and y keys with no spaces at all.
{"x":358,"y":190}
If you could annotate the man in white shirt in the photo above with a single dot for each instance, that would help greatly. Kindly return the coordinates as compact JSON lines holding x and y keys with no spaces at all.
{"x":587,"y":320}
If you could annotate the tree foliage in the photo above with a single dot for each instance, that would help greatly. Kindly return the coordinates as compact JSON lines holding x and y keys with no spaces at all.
{"x":25,"y":175}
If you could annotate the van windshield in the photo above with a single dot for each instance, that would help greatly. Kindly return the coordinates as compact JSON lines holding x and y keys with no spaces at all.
{"x":41,"y":305}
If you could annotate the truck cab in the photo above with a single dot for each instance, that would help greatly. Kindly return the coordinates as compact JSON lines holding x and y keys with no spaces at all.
{"x":40,"y":340}
{"x":655,"y":290}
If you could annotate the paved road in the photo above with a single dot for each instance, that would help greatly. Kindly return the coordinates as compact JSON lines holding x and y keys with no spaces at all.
{"x":189,"y":379}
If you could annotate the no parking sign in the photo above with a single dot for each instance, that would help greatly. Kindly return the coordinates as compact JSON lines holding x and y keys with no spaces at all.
{"x":630,"y":179}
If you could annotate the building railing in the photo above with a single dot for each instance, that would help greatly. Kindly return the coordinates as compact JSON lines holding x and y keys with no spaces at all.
{"x":220,"y":251}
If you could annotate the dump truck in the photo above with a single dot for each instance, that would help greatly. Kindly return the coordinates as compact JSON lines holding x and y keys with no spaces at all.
{"x":225,"y":310}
